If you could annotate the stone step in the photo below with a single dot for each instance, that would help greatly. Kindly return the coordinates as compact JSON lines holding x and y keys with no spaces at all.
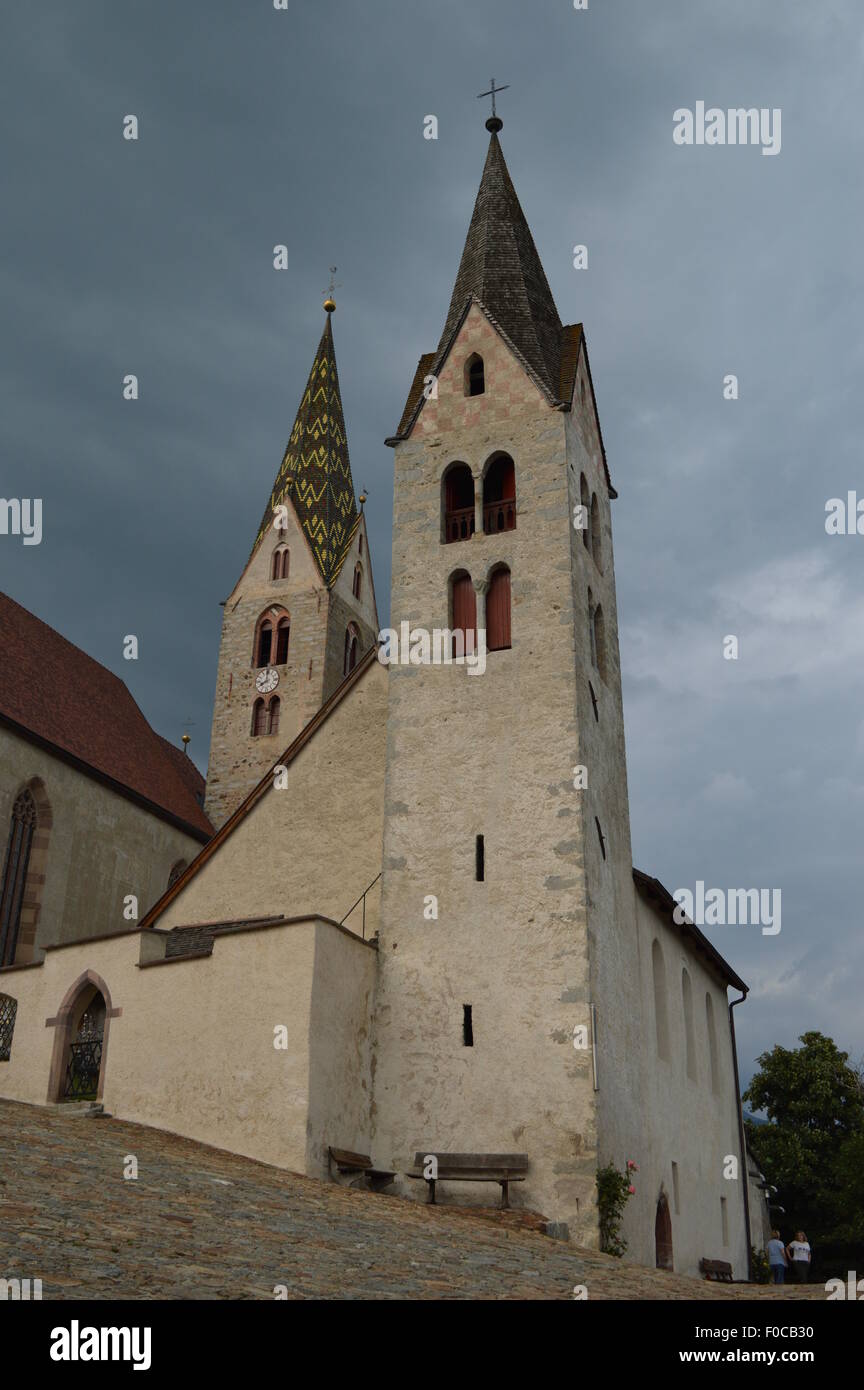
{"x":79,"y":1109}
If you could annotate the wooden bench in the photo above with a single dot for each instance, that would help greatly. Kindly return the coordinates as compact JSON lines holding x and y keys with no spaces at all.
{"x":719,"y":1270}
{"x":348,"y":1162}
{"x":500,"y":1168}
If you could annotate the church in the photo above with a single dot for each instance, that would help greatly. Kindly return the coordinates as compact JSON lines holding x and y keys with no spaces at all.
{"x":416,"y":929}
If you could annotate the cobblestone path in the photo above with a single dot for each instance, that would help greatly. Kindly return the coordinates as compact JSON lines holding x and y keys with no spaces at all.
{"x":198,"y":1223}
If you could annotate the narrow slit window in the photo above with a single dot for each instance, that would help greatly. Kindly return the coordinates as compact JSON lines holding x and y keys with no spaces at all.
{"x":601,"y":837}
{"x":480,"y":859}
{"x":467,"y":1026}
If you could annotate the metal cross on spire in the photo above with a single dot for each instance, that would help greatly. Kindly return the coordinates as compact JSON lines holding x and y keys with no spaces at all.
{"x":493,"y":90}
{"x":333,"y":284}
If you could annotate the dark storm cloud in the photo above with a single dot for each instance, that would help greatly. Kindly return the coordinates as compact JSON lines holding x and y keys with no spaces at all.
{"x":305,"y":127}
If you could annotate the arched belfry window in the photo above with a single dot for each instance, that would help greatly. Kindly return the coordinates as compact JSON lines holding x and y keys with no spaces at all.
{"x":15,"y":866}
{"x":499,"y":496}
{"x":498,"y":610}
{"x":458,"y":503}
{"x":270,"y":645}
{"x":273,"y":712}
{"x":475,"y":376}
{"x":281,"y":563}
{"x":463,"y":613}
{"x":357,"y":588}
{"x":259,"y":719}
{"x":283,"y":638}
{"x":264,"y":645}
{"x":352,"y":644}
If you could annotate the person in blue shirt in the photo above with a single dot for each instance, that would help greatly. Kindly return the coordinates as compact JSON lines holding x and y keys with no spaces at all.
{"x":776,"y":1252}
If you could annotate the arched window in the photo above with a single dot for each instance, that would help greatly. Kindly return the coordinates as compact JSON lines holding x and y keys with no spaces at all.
{"x":259,"y":719}
{"x":281,"y":562}
{"x":283,"y":637}
{"x":499,"y":496}
{"x":358,"y":580}
{"x":176,"y":870}
{"x":273,"y":711}
{"x":15,"y":867}
{"x":585,"y":502}
{"x":458,"y":499}
{"x":597,"y":635}
{"x":8,"y":1010}
{"x":663,"y":1235}
{"x":264,"y":645}
{"x":712,"y":1045}
{"x":498,"y":611}
{"x":689,"y":1034}
{"x":661,"y":1013}
{"x":360,"y":544}
{"x":475,"y":376}
{"x":352,"y":640}
{"x":595,"y":533}
{"x":463,"y":614}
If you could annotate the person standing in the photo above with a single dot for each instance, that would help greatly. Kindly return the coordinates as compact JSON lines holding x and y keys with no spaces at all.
{"x":777,"y":1258}
{"x":798,"y":1252}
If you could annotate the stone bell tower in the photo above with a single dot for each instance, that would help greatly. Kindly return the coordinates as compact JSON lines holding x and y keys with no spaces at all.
{"x":507,"y":882}
{"x":303,"y":610}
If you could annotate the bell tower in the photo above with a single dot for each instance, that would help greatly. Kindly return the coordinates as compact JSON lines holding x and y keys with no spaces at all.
{"x":507,"y":885}
{"x":303,"y":610}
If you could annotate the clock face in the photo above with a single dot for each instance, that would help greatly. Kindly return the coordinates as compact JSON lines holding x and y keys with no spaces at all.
{"x":266,"y":680}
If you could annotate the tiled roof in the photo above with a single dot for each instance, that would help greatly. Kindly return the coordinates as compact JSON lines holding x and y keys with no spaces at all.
{"x":315,"y":473}
{"x":52,"y":691}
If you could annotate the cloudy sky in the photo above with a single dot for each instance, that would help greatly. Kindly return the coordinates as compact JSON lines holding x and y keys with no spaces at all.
{"x":305,"y":127}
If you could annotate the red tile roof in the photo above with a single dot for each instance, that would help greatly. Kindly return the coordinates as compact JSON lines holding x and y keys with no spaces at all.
{"x":53,"y":692}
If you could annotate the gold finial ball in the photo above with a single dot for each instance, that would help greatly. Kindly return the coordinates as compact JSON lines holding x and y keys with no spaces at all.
{"x":186,"y":738}
{"x":329,"y":304}
{"x":362,"y":498}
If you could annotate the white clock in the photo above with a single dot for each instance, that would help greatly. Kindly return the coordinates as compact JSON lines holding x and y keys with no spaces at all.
{"x":266,"y":680}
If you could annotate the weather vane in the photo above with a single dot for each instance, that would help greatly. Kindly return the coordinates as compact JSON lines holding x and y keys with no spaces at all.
{"x":329,"y":302}
{"x":493,"y":90}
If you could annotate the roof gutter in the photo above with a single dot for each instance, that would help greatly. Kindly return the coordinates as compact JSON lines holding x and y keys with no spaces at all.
{"x":745,"y":1168}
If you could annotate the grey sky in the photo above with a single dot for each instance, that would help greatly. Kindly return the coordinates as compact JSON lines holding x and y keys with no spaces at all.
{"x":305,"y":127}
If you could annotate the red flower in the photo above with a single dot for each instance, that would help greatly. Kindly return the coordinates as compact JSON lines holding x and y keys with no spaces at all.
{"x":631,"y":1190}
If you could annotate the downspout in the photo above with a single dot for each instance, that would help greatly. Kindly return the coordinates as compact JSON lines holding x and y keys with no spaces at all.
{"x":741,"y":1138}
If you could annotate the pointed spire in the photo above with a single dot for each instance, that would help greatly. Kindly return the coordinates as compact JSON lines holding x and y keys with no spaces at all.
{"x":500,"y":267}
{"x":315,"y":474}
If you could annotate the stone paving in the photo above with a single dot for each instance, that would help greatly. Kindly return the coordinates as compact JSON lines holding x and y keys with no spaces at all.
{"x":199,"y":1223}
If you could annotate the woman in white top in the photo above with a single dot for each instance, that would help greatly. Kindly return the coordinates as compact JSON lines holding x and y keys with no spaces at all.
{"x":798,"y":1252}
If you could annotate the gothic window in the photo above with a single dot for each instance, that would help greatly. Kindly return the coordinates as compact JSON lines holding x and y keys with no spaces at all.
{"x":661,"y":1012}
{"x":352,"y":638}
{"x":475,"y":376}
{"x":498,"y":611}
{"x":712,"y":1045}
{"x":360,"y":544}
{"x":689,"y":1034}
{"x":15,"y":873}
{"x":358,"y":580}
{"x":283,"y":636}
{"x":595,"y":533}
{"x":265,"y":641}
{"x":259,"y":719}
{"x":176,"y":870}
{"x":8,"y":1010}
{"x":463,"y":613}
{"x":458,"y":499}
{"x":281,"y":562}
{"x":585,"y":502}
{"x":273,"y":711}
{"x":499,"y":496}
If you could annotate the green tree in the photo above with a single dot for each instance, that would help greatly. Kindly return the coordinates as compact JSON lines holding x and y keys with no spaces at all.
{"x":812,"y":1149}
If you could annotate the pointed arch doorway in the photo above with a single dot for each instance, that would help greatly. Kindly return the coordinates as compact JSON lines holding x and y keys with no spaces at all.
{"x":81,"y":1040}
{"x":663,"y":1234}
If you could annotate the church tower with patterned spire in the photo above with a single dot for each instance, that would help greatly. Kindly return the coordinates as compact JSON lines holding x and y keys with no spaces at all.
{"x":303,"y":610}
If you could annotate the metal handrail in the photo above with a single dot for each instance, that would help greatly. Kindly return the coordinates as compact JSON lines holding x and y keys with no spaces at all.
{"x":361,"y":899}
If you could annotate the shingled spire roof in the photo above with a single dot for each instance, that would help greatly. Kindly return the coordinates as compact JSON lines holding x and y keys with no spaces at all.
{"x":500,"y":267}
{"x":315,"y":473}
